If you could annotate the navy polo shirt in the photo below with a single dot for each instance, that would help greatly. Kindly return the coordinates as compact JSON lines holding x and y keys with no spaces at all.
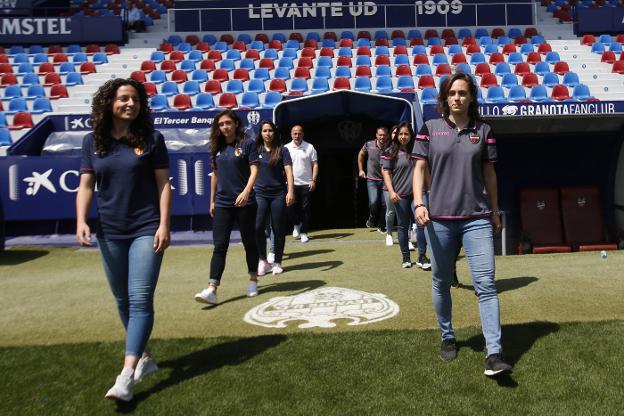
{"x":456,"y":159}
{"x":373,"y":167}
{"x":127,"y":193}
{"x":232,"y":167}
{"x":271,"y":180}
{"x":402,"y":169}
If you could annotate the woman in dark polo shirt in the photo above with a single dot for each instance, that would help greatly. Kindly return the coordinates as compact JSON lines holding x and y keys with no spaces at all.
{"x":397,"y":169}
{"x":128,"y":161}
{"x":459,"y":149}
{"x":274,"y":192}
{"x":232,"y":199}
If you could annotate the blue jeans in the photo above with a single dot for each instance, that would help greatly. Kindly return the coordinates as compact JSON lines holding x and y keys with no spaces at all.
{"x":375,"y":200}
{"x":273,"y":207}
{"x":403,"y":208}
{"x":476,"y":235}
{"x":131,"y":267}
{"x":389,"y":212}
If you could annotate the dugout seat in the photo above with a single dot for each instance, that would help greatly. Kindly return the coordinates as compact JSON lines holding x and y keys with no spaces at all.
{"x":540,"y":217}
{"x":583,"y":223}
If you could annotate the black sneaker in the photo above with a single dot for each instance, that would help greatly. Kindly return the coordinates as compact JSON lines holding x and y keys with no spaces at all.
{"x":424,"y":263}
{"x":448,"y":349}
{"x":455,"y":283}
{"x":495,"y":365}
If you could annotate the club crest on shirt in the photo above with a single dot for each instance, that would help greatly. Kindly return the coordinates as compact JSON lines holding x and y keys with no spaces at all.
{"x":139,"y":150}
{"x":474,"y":138}
{"x":237,"y":152}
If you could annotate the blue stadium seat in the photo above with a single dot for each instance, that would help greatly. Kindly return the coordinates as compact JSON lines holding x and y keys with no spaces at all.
{"x":289,"y":53}
{"x":527,"y":48}
{"x":256,"y":85}
{"x":490,"y":49}
{"x":539,"y":94}
{"x":184,"y":47}
{"x":313,"y":35}
{"x":550,"y":79}
{"x":384,"y":85}
{"x":344,"y":51}
{"x":16,"y":105}
{"x":541,"y":68}
{"x":11,"y":92}
{"x":66,"y":67}
{"x":382,"y":50}
{"x":35,"y":49}
{"x":429,"y":96}
{"x":257,"y":45}
{"x":495,"y":94}
{"x":343,"y":72}
{"x":220,"y":46}
{"x":30,"y":79}
{"x":204,"y":101}
{"x":598,"y":48}
{"x":517,"y":93}
{"x":234,"y":86}
{"x":169,"y":88}
{"x":381,"y":34}
{"x":581,"y":93}
{"x":615,"y":47}
{"x":74,"y":78}
{"x":195,"y":56}
{"x":271,"y":54}
{"x":35,"y":91}
{"x":233,"y":54}
{"x":299,"y":85}
{"x":362,"y":60}
{"x":399,"y":42}
{"x":286,"y":63}
{"x":455,"y":49}
{"x":605,"y":38}
{"x":199,"y":75}
{"x":188,"y":66}
{"x":571,"y":79}
{"x":481,"y":32}
{"x":405,"y":82}
{"x":191,"y":88}
{"x":80,"y":57}
{"x":247,"y":63}
{"x":465,"y":68}
{"x":261,"y":74}
{"x":464,"y":33}
{"x":515,"y":58}
{"x":363,"y":42}
{"x":434,"y":41}
{"x":209,"y":39}
{"x":347,"y":34}
{"x":40,"y":58}
{"x":509,"y":80}
{"x":159,"y":102}
{"x":250,"y":100}
{"x":322,"y":72}
{"x":271,"y":99}
{"x":279,"y":36}
{"x":414,"y":34}
{"x":552,"y":57}
{"x":485,"y":40}
{"x":383,"y":71}
{"x":5,"y":137}
{"x":537,"y":39}
{"x":362,"y":84}
{"x":503,"y":40}
{"x":423,"y":70}
{"x":293,"y":44}
{"x":319,"y":85}
{"x":419,"y":50}
{"x":477,"y":58}
{"x":41,"y":105}
{"x":502,"y":68}
{"x":282,"y":73}
{"x":175,"y":40}
{"x":244,"y":37}
{"x":24,"y":68}
{"x":20,"y":58}
{"x":328,"y":43}
{"x":227,"y":64}
{"x":157,"y":56}
{"x":73,"y":49}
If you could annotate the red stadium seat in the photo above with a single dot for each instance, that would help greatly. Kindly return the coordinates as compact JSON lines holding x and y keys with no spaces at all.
{"x":150,"y":89}
{"x":302,"y":72}
{"x":310,"y":43}
{"x":469,"y":40}
{"x":431,"y":33}
{"x":87,"y":68}
{"x":52,"y":78}
{"x":397,"y":34}
{"x":327,"y":51}
{"x":227,"y":100}
{"x":59,"y":58}
{"x":176,"y":56}
{"x":364,"y":34}
{"x":529,"y":32}
{"x":544,"y":48}
{"x":608,"y":57}
{"x":451,"y":41}
{"x":533,"y":58}
{"x":202,"y":46}
{"x":416,"y":41}
{"x":58,"y":91}
{"x":240,"y":45}
{"x":400,"y":50}
{"x":112,"y":49}
{"x":402,"y":70}
{"x":4,"y":59}
{"x":275,"y":44}
{"x":168,"y":66}
{"x":345,"y":43}
{"x":561,"y":68}
{"x":363,"y":71}
{"x":560,"y":93}
{"x":54,"y":49}
{"x":262,"y":37}
{"x":266,"y":63}
{"x":92,"y":48}
{"x":508,"y":48}
{"x":182,"y":102}
{"x":482,"y":68}
{"x":520,"y":40}
{"x":443,"y":69}
{"x":278,"y":85}
{"x":473,"y":48}
{"x":583,"y":225}
{"x":496,"y":58}
{"x":241,"y":73}
{"x":421,"y":59}
{"x":618,"y":67}
{"x":342,"y":83}
{"x":305,"y":62}
{"x":308,"y":52}
{"x":8,"y":79}
{"x":192,"y":39}
{"x":220,"y":75}
{"x":344,"y":61}
{"x":213,"y":87}
{"x":488,"y":80}
{"x":207,"y":65}
{"x":382,"y":60}
{"x":530,"y":80}
{"x":214,"y":55}
{"x":296,"y":36}
{"x":227,"y":38}
{"x":588,"y":40}
{"x":497,"y":32}
{"x":138,"y":76}
{"x":330,"y":35}
{"x":21,"y":120}
{"x":448,"y":33}
{"x":252,"y":54}
{"x":435,"y":49}
{"x":179,"y":76}
{"x":458,"y":58}
{"x":540,"y":217}
{"x":425,"y":81}
{"x":166,"y":47}
{"x":148,"y":66}
{"x":382,"y":42}
{"x":363,"y":50}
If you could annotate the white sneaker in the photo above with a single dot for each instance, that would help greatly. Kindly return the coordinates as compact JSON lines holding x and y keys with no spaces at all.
{"x":406,"y":264}
{"x":263,"y":268}
{"x":252,"y":288}
{"x":277,"y":269}
{"x":122,"y":390}
{"x":389,"y":240}
{"x":271,"y":258}
{"x":144,"y":368}
{"x":410,"y":246}
{"x":295,"y":233}
{"x":304,"y":238}
{"x":207,"y":296}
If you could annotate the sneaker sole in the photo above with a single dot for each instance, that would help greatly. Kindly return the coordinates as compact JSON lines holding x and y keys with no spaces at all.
{"x":252,"y":294}
{"x":118,"y":398}
{"x":491,"y":373}
{"x":202,"y":300}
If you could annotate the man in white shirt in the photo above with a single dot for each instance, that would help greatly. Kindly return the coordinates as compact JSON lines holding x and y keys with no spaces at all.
{"x":305,"y":172}
{"x":135,"y":22}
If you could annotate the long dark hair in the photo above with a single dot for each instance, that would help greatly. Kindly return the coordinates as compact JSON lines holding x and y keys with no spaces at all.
{"x":275,"y":145}
{"x":102,"y":115}
{"x":217,"y":140}
{"x":473,"y":108}
{"x":396,"y":145}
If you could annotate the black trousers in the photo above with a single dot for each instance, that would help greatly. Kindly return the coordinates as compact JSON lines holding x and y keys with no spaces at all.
{"x":300,"y":210}
{"x":222,"y":225}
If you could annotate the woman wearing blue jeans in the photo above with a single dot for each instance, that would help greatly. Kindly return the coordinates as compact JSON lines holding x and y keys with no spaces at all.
{"x":128,"y":161}
{"x":459,"y":150}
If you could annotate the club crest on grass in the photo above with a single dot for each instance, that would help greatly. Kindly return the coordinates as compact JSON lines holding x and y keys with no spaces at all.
{"x":320,"y":307}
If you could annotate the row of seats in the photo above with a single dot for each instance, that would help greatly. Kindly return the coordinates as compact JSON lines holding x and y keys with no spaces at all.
{"x":347,"y":34}
{"x":71,"y":49}
{"x":606,"y":39}
{"x":206,"y":101}
{"x":40,"y":104}
{"x":49,"y":79}
{"x":21,"y":120}
{"x":12,"y":92}
{"x":57,"y":58}
{"x":48,"y":67}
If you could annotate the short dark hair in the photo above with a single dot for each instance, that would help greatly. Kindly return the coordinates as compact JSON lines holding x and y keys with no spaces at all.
{"x":473,"y":108}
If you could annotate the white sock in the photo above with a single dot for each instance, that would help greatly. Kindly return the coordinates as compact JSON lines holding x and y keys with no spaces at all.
{"x":127,"y":372}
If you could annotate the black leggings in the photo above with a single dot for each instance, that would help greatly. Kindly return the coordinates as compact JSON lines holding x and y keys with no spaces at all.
{"x":222,"y":225}
{"x":275,"y":206}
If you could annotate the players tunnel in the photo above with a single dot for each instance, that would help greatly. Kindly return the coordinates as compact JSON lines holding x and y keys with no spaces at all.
{"x":338,"y":124}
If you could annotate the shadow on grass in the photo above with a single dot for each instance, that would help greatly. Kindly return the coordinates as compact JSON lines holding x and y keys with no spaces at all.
{"x":198,"y":363}
{"x":306,"y":253}
{"x":293,"y":287}
{"x":504,"y":285}
{"x":323,"y":265}
{"x":15,"y":257}
{"x":329,"y":236}
{"x":517,"y":339}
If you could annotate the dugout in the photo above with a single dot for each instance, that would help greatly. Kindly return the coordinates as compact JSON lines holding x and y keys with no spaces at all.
{"x":338,"y":124}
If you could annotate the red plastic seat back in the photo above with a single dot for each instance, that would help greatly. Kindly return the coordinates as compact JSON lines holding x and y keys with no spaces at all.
{"x":582,"y":215}
{"x":540,"y":216}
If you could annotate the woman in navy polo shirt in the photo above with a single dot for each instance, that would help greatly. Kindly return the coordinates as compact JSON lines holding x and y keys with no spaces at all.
{"x":232,"y":199}
{"x":460,"y":150}
{"x":128,"y":161}
{"x":397,"y":169}
{"x":273,"y":194}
